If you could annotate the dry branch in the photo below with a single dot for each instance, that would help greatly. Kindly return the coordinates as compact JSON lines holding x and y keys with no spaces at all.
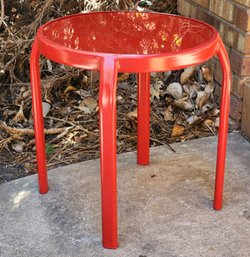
{"x":2,"y":13}
{"x":25,"y":131}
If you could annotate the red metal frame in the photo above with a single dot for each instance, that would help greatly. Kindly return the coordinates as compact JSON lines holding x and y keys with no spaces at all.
{"x":109,"y":65}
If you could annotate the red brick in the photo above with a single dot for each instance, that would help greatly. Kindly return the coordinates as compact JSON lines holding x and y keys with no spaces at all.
{"x":187,"y":9}
{"x":229,"y":34}
{"x":218,"y":72}
{"x":235,"y":108}
{"x":243,"y":44}
{"x":245,"y":124}
{"x":238,"y":83}
{"x":207,"y":17}
{"x":244,"y":2}
{"x":235,"y":104}
{"x":240,"y":63}
{"x":203,"y":3}
{"x":242,"y":18}
{"x":223,"y":9}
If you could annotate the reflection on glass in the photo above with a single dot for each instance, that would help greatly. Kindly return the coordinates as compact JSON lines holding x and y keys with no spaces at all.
{"x":127,"y":33}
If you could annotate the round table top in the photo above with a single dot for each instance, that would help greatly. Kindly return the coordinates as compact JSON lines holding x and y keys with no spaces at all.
{"x":127,"y":32}
{"x":146,"y":39}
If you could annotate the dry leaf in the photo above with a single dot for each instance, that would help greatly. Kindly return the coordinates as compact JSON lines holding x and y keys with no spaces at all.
{"x":167,"y":75}
{"x":217,"y":122}
{"x":207,"y":75}
{"x":210,"y":87}
{"x":133,"y":114}
{"x":69,"y":89}
{"x":209,"y":122}
{"x":177,"y":130}
{"x":80,"y":138}
{"x":202,"y":98}
{"x":93,"y":75}
{"x":156,"y":89}
{"x":123,"y":85}
{"x":215,"y":112}
{"x":186,"y":74}
{"x":183,"y":104}
{"x":206,"y":107}
{"x":88,"y":105}
{"x":84,"y":108}
{"x":29,"y":167}
{"x":7,"y":113}
{"x":168,"y":114}
{"x":123,"y":77}
{"x":19,"y":116}
{"x":91,"y":103}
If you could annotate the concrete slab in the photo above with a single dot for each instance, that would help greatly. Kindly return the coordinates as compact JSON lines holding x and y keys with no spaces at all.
{"x":165,"y":209}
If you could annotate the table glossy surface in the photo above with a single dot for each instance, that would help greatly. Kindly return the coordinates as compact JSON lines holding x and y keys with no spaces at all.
{"x":128,"y":33}
{"x":150,"y":41}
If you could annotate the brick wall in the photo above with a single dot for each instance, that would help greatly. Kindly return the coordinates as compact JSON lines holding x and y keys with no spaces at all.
{"x":232,"y":20}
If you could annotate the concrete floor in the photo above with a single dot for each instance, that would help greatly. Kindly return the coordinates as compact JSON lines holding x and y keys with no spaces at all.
{"x":165,"y":209}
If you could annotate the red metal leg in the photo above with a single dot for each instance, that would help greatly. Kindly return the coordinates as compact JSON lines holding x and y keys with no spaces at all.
{"x":107,"y":105}
{"x":222,"y":137}
{"x":38,"y":118}
{"x":143,"y":119}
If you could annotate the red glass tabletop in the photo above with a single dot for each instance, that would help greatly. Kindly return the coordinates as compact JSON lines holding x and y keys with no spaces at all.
{"x":127,"y":32}
{"x":139,"y":41}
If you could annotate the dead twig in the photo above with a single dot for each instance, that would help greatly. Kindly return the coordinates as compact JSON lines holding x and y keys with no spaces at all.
{"x":2,"y":13}
{"x":163,"y":143}
{"x":73,"y":124}
{"x":19,"y":131}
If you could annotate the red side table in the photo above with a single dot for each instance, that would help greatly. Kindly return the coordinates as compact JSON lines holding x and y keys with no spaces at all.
{"x":113,"y":42}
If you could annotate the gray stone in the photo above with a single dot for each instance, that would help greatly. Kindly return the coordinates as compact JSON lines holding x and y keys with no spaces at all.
{"x":175,"y":90}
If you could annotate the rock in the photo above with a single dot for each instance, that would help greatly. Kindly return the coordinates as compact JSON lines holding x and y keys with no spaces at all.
{"x":186,"y":74}
{"x":175,"y":90}
{"x":49,"y":65}
{"x":217,"y":122}
{"x":192,"y":119}
{"x":183,"y":104}
{"x":46,"y":108}
{"x":18,"y":147}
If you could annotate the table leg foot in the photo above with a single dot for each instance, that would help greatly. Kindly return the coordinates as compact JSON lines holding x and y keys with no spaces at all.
{"x":38,"y":119}
{"x":107,"y":104}
{"x":223,"y":128}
